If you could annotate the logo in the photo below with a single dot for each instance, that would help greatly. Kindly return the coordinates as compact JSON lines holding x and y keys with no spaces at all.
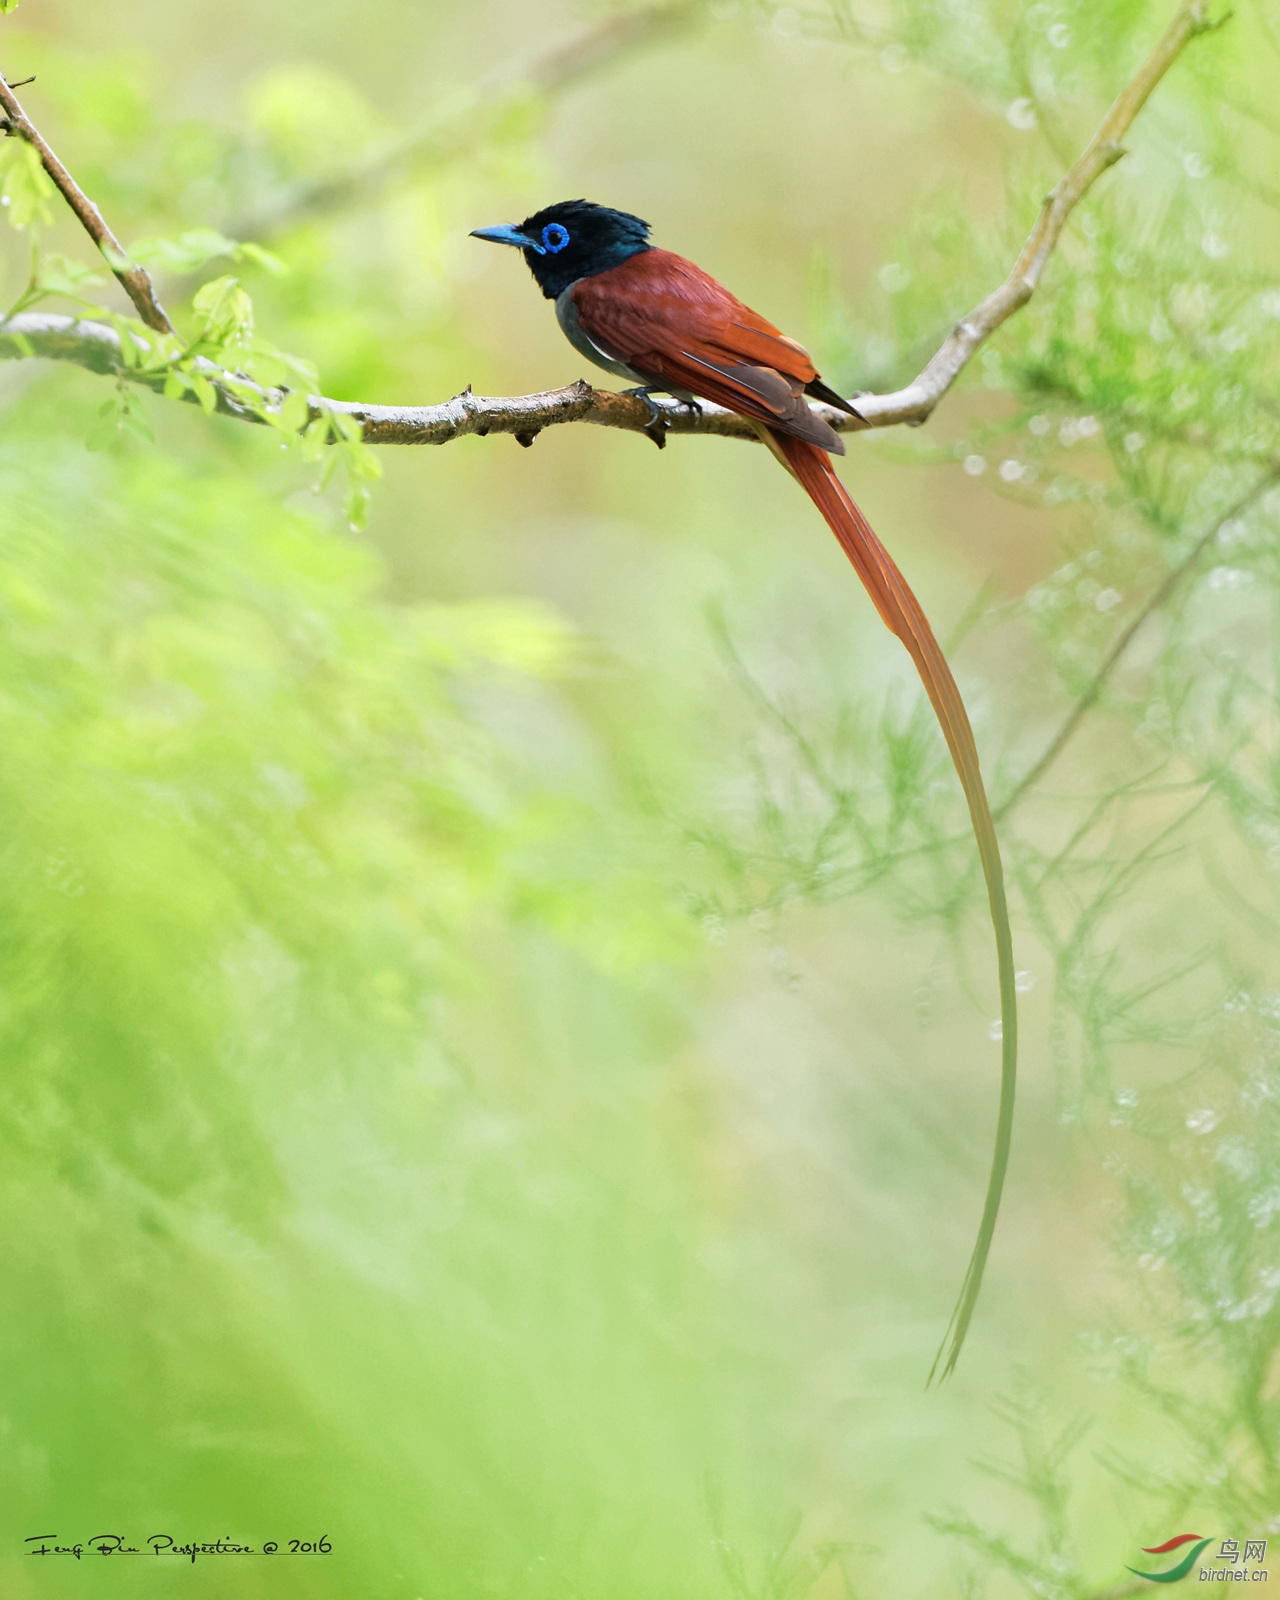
{"x":1184,"y":1566}
{"x":1255,"y":1551}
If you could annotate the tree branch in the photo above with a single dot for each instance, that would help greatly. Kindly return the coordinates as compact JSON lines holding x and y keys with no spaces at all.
{"x":916,"y":402}
{"x":465,"y":116}
{"x":89,"y":343}
{"x":137,"y":282}
{"x":96,"y":346}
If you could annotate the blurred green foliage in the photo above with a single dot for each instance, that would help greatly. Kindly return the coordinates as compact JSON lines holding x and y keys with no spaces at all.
{"x":493,"y":984}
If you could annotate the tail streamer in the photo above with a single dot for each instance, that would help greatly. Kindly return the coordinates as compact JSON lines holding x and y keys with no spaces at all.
{"x":903,"y":616}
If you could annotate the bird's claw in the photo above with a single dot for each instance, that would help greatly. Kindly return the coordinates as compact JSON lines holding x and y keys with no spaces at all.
{"x":659,"y":422}
{"x":656,"y":427}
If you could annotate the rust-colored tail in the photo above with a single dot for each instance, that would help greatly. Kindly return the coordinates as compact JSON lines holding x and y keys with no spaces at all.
{"x":903,"y":616}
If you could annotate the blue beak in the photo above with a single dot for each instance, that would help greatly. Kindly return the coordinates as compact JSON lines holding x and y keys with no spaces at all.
{"x":508,"y":233}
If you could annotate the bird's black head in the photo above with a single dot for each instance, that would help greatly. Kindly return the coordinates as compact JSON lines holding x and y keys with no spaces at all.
{"x":574,"y":239}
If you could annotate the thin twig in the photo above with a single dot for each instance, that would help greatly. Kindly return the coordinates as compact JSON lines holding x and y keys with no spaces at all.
{"x":916,"y":402}
{"x":465,"y":117}
{"x":137,"y":283}
{"x":1155,"y":602}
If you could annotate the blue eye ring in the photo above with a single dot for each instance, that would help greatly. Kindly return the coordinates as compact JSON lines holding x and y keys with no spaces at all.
{"x":554,"y":238}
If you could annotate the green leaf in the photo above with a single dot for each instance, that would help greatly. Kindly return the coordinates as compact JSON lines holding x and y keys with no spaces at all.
{"x":131,"y":349}
{"x":25,"y":187}
{"x":345,"y":427}
{"x":156,"y":350}
{"x":248,"y":394}
{"x":295,"y":411}
{"x":224,"y":312}
{"x":187,"y":253}
{"x":264,"y":258}
{"x":106,"y":430}
{"x":315,"y":440}
{"x":361,"y":461}
{"x":356,"y":506}
{"x":21,"y":340}
{"x":58,"y":275}
{"x":115,"y":259}
{"x":277,"y":369}
{"x":133,"y":417}
{"x":205,"y":393}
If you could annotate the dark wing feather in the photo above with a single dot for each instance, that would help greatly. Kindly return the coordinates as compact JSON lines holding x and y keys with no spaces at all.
{"x":781,"y":399}
{"x":817,"y":390}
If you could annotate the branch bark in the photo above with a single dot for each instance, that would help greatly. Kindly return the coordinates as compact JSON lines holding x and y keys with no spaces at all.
{"x":71,"y":339}
{"x":136,"y":282}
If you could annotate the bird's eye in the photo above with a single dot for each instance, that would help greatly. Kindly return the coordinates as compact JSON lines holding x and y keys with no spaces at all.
{"x":554,"y":238}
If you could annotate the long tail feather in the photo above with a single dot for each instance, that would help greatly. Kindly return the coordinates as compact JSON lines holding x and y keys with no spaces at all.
{"x":903,"y":615}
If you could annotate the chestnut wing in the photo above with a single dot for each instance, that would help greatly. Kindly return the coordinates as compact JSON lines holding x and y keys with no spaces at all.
{"x":666,"y":318}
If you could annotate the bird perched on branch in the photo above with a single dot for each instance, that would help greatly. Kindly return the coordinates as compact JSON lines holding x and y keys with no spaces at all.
{"x":651,"y":316}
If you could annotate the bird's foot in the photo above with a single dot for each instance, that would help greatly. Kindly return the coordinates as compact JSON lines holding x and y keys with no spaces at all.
{"x":685,"y":400}
{"x":657,"y":425}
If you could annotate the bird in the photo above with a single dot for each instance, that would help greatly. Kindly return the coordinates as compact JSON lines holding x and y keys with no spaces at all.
{"x":653,"y":317}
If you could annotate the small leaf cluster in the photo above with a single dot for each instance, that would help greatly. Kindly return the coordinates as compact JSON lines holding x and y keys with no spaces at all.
{"x":223,"y":362}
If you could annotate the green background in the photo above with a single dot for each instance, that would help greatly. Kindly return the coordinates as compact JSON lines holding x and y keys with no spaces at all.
{"x":495,"y":1006}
